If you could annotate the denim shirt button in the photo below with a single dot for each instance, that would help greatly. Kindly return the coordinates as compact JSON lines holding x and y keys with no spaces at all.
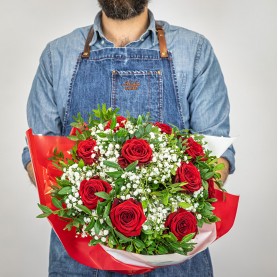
{"x":102,"y":41}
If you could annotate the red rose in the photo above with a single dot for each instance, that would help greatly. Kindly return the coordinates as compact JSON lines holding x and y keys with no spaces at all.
{"x":181,"y":223}
{"x":89,"y":187}
{"x":193,"y":148}
{"x":123,"y":162}
{"x":120,"y":120}
{"x":74,"y":130}
{"x":164,"y":128}
{"x":189,"y":173}
{"x":127,"y":217}
{"x":211,"y":189}
{"x":85,"y":150}
{"x":135,"y":150}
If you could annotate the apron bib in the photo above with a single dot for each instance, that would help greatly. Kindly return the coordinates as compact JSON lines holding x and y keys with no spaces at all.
{"x":132,"y":79}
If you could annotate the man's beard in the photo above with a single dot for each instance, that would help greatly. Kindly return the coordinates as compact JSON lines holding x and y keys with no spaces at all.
{"x":122,"y":9}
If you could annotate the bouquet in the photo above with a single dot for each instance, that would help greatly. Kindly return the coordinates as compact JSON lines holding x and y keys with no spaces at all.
{"x":132,"y":186}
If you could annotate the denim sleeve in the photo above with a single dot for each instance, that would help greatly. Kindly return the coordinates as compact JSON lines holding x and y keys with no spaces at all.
{"x":42,"y":112}
{"x":208,"y":98}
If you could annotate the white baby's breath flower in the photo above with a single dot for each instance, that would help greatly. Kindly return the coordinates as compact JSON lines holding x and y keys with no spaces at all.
{"x":145,"y":227}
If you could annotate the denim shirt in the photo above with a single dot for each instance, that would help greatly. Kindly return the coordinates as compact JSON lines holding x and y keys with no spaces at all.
{"x":199,"y":80}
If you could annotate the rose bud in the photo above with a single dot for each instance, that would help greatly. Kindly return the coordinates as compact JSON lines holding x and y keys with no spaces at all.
{"x":120,"y":120}
{"x":164,"y":128}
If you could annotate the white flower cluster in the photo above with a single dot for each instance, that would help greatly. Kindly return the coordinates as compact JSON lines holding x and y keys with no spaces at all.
{"x":75,"y":175}
{"x":156,"y":216}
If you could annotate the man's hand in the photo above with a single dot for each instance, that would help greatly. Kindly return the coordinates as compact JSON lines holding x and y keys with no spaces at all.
{"x":225,"y":171}
{"x":30,"y":171}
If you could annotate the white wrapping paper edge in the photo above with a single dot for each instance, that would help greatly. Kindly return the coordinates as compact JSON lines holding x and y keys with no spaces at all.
{"x":218,"y":145}
{"x":206,"y":235}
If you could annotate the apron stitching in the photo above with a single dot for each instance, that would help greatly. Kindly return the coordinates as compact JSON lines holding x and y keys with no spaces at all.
{"x":174,"y":79}
{"x":67,"y":111}
{"x":160,"y":97}
{"x":113,"y":96}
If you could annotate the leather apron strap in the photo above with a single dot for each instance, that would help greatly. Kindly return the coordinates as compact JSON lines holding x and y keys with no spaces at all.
{"x":160,"y":35}
{"x":161,"y":41}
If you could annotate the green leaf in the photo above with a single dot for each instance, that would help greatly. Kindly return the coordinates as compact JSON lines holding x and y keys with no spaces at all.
{"x":184,"y":205}
{"x":132,"y":166}
{"x":188,"y":238}
{"x":103,"y":195}
{"x":102,"y":135}
{"x":219,"y":167}
{"x":90,"y":225}
{"x":108,"y":221}
{"x":74,"y":138}
{"x":129,"y":248}
{"x":107,"y":210}
{"x":93,"y":242}
{"x":64,"y":191}
{"x":63,"y":183}
{"x":111,"y":164}
{"x":148,"y":128}
{"x":61,"y":213}
{"x":139,"y":120}
{"x":115,"y":174}
{"x":122,"y":237}
{"x":147,"y":232}
{"x":81,"y":164}
{"x":99,"y":208}
{"x":112,"y":240}
{"x":205,"y":184}
{"x":97,"y":227}
{"x":162,"y":250}
{"x":45,"y":209}
{"x":172,"y":237}
{"x":165,"y":197}
{"x":113,"y":122}
{"x":42,"y":215}
{"x":208,"y":175}
{"x":139,"y":243}
{"x":144,"y":204}
{"x":57,"y":203}
{"x":84,"y":209}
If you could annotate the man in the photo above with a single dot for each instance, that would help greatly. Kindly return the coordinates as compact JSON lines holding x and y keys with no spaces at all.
{"x":130,"y":61}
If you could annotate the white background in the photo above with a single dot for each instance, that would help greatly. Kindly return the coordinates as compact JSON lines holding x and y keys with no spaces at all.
{"x":243,"y":34}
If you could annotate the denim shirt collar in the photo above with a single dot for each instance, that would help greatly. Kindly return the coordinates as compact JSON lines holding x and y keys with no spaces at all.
{"x":151,"y":30}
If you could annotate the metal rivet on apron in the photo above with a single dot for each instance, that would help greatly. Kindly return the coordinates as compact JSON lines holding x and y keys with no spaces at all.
{"x":85,"y":54}
{"x":158,"y":72}
{"x":114,"y":72}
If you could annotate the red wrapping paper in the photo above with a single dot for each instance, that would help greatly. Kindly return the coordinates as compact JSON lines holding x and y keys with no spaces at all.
{"x":41,"y":148}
